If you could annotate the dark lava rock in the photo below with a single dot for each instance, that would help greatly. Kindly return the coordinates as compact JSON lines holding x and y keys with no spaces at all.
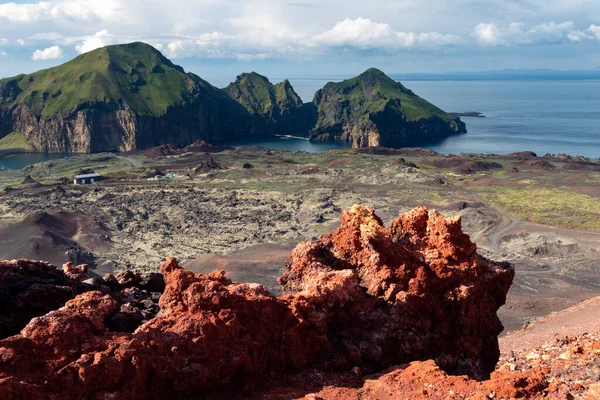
{"x":29,"y":289}
{"x":135,"y":307}
{"x":247,"y":166}
{"x":28,"y":180}
{"x":152,"y":282}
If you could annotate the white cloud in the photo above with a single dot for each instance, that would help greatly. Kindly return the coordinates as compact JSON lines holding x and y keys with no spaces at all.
{"x":272,"y":41}
{"x":74,"y":10}
{"x":519,"y":34}
{"x":3,"y":54}
{"x":364,"y":34}
{"x":51,"y":53}
{"x":100,"y":39}
{"x":578,"y":36}
{"x":488,"y":35}
{"x":595,"y":31}
{"x":3,"y":41}
{"x":263,"y":29}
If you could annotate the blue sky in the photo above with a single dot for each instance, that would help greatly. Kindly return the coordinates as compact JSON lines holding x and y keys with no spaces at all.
{"x":220,"y":38}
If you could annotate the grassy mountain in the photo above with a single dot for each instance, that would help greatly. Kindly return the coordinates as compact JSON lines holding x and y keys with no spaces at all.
{"x":259,"y":96}
{"x":374,"y":110}
{"x":127,"y":97}
{"x":117,"y":98}
{"x":136,"y":74}
{"x":278,"y":107}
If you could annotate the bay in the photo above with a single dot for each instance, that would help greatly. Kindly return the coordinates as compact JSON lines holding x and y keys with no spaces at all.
{"x":18,"y":161}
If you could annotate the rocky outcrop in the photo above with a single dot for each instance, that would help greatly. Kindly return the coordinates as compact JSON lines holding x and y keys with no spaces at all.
{"x":30,"y":289}
{"x":359,"y":300}
{"x":75,"y":272}
{"x":374,"y":110}
{"x":425,"y":380}
{"x":275,"y":109}
{"x":422,"y":276}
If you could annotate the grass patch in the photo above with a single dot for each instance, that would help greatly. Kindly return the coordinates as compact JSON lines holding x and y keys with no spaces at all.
{"x":102,"y":163}
{"x":15,"y":143}
{"x":548,"y":206}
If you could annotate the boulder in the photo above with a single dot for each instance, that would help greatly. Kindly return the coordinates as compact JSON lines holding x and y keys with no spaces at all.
{"x":78,"y":273}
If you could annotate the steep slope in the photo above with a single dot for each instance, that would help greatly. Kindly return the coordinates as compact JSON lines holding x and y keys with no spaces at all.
{"x":116,"y":98}
{"x":274,"y":108}
{"x":374,"y":110}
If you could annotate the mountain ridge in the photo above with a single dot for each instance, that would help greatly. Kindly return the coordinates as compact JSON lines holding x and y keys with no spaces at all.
{"x":275,"y":108}
{"x":129,"y":97}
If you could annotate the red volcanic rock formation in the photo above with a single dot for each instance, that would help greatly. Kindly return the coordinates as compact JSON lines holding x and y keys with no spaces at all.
{"x":415,"y":291}
{"x":358,"y":301}
{"x":78,"y":273}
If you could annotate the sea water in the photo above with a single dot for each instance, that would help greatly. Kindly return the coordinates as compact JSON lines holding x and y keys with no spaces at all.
{"x":540,"y":116}
{"x":19,"y":161}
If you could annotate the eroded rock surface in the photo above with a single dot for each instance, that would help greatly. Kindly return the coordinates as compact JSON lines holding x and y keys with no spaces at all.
{"x":359,"y":300}
{"x":409,"y":290}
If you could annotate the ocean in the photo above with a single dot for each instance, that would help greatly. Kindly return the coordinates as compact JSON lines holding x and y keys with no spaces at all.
{"x":540,"y":116}
{"x":556,"y":117}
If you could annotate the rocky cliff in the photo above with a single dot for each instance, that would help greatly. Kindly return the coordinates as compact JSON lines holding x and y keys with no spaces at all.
{"x":275,"y":109}
{"x":359,"y":300}
{"x":127,"y":97}
{"x":117,"y":98}
{"x":374,"y":110}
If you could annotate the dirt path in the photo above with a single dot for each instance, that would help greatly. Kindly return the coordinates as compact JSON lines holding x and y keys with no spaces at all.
{"x":134,"y":163}
{"x":496,"y":237}
{"x":499,"y":234}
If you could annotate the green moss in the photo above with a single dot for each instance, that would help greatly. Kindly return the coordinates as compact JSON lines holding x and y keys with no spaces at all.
{"x":554,"y":207}
{"x":136,"y":74}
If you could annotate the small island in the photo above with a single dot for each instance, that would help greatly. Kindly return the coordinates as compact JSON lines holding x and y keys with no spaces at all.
{"x":472,"y":114}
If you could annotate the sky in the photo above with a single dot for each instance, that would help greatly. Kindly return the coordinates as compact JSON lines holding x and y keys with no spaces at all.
{"x":219,"y":39}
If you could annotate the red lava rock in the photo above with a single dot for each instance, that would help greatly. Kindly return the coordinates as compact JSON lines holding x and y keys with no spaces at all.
{"x":357,"y":301}
{"x":78,"y":273}
{"x":425,"y":380}
{"x":415,"y":291}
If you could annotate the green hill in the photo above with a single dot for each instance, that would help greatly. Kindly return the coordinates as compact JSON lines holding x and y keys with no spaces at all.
{"x":136,"y":74}
{"x":117,"y":98}
{"x":374,"y":110}
{"x":259,"y":96}
{"x":127,"y":97}
{"x":278,"y":107}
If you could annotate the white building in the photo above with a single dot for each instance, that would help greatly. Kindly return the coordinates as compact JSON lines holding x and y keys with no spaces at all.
{"x":87,"y":179}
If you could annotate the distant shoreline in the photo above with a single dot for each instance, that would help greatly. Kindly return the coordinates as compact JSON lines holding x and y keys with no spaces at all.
{"x":472,"y":114}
